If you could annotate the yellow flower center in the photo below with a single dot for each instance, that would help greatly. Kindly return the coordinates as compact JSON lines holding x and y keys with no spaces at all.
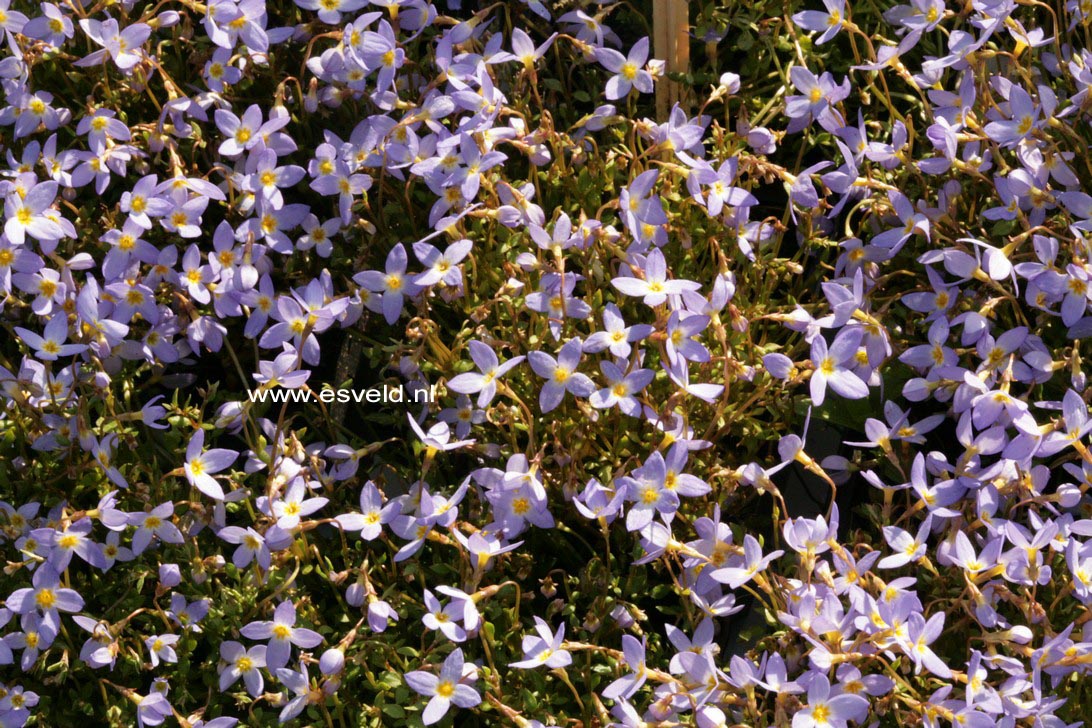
{"x":45,"y":599}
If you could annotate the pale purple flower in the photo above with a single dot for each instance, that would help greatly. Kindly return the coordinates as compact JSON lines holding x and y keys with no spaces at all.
{"x":483,"y":382}
{"x":655,"y":287}
{"x":329,"y":11}
{"x":123,"y":46}
{"x":441,"y":267}
{"x":616,"y":336}
{"x":380,"y":615}
{"x":391,"y":285}
{"x":621,"y":388}
{"x":560,"y":375}
{"x":156,"y":523}
{"x":828,"y":23}
{"x":445,"y":690}
{"x":1076,"y":423}
{"x":282,"y":633}
{"x":201,"y":465}
{"x":823,"y":710}
{"x":919,"y":635}
{"x":438,"y":437}
{"x":545,"y":648}
{"x":161,"y":648}
{"x":50,"y":345}
{"x":754,"y":562}
{"x":833,"y":367}
{"x":251,"y":544}
{"x":300,"y":685}
{"x":290,"y":509}
{"x":45,"y":595}
{"x":26,"y":215}
{"x":242,"y":663}
{"x":53,"y":27}
{"x":626,"y":686}
{"x":444,"y":618}
{"x":629,"y":70}
{"x":907,"y":548}
{"x":373,"y":514}
{"x":647,"y":490}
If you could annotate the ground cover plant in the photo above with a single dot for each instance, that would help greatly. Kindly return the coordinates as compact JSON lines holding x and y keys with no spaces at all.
{"x":767,"y":408}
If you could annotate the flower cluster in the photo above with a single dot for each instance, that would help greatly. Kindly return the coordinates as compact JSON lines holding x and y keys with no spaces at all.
{"x":632,"y":319}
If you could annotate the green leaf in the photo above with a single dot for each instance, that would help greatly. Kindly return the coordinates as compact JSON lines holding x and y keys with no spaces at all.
{"x":394,"y":711}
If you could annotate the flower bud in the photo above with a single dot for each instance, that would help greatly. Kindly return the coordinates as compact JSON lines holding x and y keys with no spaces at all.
{"x":170,"y":575}
{"x":332,"y":661}
{"x":167,"y":19}
{"x":730,"y":82}
{"x":354,"y":595}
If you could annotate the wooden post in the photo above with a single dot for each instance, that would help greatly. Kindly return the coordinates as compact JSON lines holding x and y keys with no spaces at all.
{"x":670,"y":42}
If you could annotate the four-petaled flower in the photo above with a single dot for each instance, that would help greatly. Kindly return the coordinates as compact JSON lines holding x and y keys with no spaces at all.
{"x":450,"y":687}
{"x":282,"y":633}
{"x":484,"y":382}
{"x":202,"y":464}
